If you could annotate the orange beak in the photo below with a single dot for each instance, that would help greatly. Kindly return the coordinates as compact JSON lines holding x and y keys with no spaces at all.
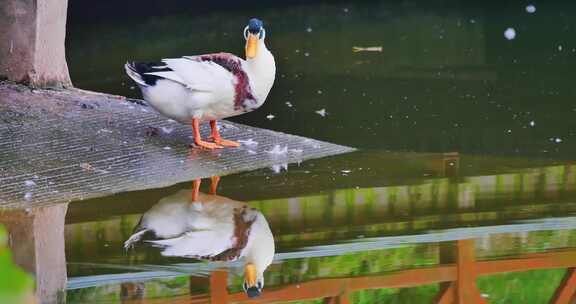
{"x":250,"y":274}
{"x":251,"y":46}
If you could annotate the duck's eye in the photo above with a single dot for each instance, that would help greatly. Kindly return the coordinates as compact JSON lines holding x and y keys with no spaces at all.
{"x":246,"y":33}
{"x":245,"y":286}
{"x":262,"y":34}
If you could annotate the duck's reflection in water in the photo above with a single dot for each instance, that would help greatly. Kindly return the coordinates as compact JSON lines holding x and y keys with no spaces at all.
{"x":209,"y":227}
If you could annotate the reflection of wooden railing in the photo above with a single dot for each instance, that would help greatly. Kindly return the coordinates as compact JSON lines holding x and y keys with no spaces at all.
{"x":457,"y":279}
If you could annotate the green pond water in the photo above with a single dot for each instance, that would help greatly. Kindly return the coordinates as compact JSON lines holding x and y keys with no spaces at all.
{"x":465,"y":166}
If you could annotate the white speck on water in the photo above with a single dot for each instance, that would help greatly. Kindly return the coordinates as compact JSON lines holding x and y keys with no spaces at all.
{"x":144,"y":110}
{"x":508,"y":131}
{"x":297,"y":51}
{"x":167,"y":148}
{"x":557,"y":140}
{"x":485,"y":295}
{"x":306,"y":54}
{"x":345,"y":10}
{"x":166,"y":130}
{"x":251,"y":152}
{"x":532,"y":123}
{"x":171,"y":121}
{"x":270,"y":116}
{"x":322,"y":112}
{"x":296,"y":150}
{"x":309,"y":30}
{"x":346,"y":171}
{"x":510,"y":33}
{"x":28,"y":196}
{"x":319,"y":92}
{"x":277,"y":150}
{"x":248,"y":142}
{"x":289,"y":104}
{"x":29,"y":183}
{"x":560,"y":48}
{"x":530,"y":9}
{"x":472,"y":21}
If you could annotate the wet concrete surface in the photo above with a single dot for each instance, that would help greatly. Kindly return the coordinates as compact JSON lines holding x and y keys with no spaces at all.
{"x":64,"y":145}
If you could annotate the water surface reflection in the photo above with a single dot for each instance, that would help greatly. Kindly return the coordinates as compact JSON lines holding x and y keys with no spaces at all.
{"x":209,"y":227}
{"x":421,"y":228}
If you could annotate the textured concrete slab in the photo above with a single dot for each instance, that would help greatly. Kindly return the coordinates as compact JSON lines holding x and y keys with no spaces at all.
{"x":59,"y":146}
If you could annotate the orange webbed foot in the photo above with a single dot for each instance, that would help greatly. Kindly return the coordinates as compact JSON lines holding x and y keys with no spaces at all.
{"x":207,"y":145}
{"x":226,"y":143}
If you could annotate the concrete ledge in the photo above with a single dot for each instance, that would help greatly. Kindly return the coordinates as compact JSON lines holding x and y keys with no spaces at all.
{"x":64,"y":145}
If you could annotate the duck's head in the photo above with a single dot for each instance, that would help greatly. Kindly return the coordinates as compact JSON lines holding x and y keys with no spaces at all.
{"x":254,"y":33}
{"x":253,"y":280}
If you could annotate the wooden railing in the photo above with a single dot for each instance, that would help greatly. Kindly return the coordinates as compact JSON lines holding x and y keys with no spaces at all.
{"x":457,"y":281}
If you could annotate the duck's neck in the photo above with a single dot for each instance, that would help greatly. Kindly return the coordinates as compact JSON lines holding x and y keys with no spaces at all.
{"x":261,"y":72}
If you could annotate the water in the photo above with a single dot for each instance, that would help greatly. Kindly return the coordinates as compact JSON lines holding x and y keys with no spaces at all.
{"x":395,"y":222}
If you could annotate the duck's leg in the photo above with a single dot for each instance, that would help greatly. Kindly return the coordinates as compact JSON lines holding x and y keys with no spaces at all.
{"x":214,"y":185}
{"x":219,"y":140}
{"x":195,"y":189}
{"x":198,"y":139}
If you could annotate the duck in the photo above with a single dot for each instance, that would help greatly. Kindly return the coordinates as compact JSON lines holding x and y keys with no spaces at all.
{"x":196,"y":89}
{"x":209,"y":227}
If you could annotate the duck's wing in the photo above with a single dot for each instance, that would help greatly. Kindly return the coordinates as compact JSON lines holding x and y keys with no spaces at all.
{"x":221,"y":243}
{"x":200,"y":73}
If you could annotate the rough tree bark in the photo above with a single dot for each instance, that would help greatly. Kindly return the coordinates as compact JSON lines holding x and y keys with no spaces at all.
{"x":32,"y":34}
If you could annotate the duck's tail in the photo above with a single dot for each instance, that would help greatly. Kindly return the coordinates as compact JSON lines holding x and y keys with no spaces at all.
{"x":132,"y":71}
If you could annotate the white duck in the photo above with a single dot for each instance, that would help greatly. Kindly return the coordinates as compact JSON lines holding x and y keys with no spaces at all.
{"x":194,"y":89}
{"x":209,"y":227}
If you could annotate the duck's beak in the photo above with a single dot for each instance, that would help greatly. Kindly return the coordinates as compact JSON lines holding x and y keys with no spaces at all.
{"x":251,"y":46}
{"x":250,"y":274}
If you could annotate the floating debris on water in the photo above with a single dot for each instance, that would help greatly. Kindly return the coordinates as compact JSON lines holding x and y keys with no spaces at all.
{"x":556,"y":139}
{"x":560,"y":48}
{"x":248,"y":142}
{"x":346,"y":171}
{"x":252,"y":152}
{"x":532,"y":123}
{"x":530,"y":9}
{"x":289,"y":104}
{"x":510,"y":33}
{"x":296,"y":150}
{"x":277,"y":150}
{"x":322,"y":112}
{"x":167,"y":148}
{"x":357,"y":49}
{"x":29,"y":183}
{"x":309,"y":30}
{"x":270,"y":116}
